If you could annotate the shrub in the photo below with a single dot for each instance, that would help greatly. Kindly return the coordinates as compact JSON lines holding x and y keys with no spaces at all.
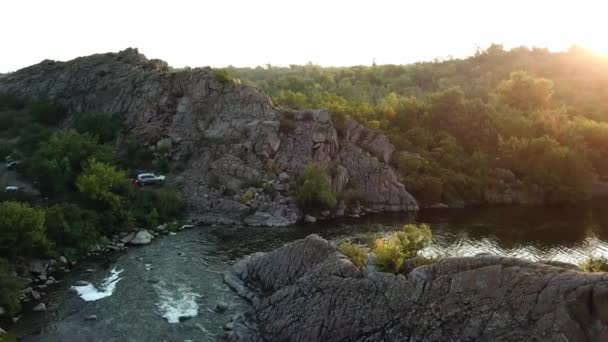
{"x":595,"y":265}
{"x":312,"y":189}
{"x":247,"y":196}
{"x":72,"y":229}
{"x":391,"y":252}
{"x":355,"y":253}
{"x":57,"y":163}
{"x":21,"y":229}
{"x":103,"y":183}
{"x":9,"y":289}
{"x":10,"y":101}
{"x":46,"y":112}
{"x":105,"y":127}
{"x":223,"y":76}
{"x":150,"y":206}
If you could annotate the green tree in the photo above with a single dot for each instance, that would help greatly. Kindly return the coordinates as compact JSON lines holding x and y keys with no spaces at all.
{"x":105,"y":127}
{"x":57,"y":163}
{"x":9,"y":289}
{"x":46,"y":112}
{"x":21,"y":229}
{"x":103,"y":183}
{"x":312,"y":188}
{"x":525,"y":92}
{"x":73,"y":230}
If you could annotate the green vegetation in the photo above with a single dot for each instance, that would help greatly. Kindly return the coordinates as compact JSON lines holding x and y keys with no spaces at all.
{"x":312,"y":189}
{"x":393,"y":251}
{"x":356,"y":253}
{"x":101,"y":125}
{"x":467,"y":128}
{"x":595,"y":265}
{"x":247,"y":196}
{"x":21,"y":229}
{"x":223,"y":76}
{"x":9,"y":289}
{"x":86,"y":193}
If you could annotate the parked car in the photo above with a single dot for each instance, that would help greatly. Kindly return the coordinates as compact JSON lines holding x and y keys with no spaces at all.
{"x":149,"y":178}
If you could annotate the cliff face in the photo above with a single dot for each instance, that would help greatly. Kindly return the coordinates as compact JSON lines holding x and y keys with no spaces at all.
{"x":223,"y":135}
{"x":307,"y":291}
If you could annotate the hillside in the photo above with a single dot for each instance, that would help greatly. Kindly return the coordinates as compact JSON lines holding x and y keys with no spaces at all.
{"x":519,"y":126}
{"x":232,"y":153}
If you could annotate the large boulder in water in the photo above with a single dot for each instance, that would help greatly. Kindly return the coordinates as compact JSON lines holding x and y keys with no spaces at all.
{"x":307,"y":291}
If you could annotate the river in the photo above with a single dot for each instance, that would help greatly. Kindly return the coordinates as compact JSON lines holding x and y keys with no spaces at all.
{"x":168,"y":290}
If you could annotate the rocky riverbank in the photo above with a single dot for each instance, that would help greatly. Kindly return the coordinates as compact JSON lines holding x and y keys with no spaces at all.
{"x":308,"y":291}
{"x":37,"y":277}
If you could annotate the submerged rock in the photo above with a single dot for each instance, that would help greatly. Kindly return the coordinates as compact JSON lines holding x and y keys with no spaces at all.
{"x":307,"y":291}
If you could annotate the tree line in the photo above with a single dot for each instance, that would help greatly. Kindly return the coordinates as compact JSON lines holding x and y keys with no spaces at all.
{"x":470,"y":130}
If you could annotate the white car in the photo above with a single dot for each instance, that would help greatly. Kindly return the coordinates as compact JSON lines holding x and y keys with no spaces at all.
{"x":149,"y":178}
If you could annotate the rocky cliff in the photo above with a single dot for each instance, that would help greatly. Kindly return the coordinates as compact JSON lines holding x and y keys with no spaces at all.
{"x":224,"y":138}
{"x":307,"y":291}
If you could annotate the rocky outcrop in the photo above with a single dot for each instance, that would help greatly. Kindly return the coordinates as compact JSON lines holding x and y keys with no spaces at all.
{"x":307,"y":291}
{"x":222,"y":137}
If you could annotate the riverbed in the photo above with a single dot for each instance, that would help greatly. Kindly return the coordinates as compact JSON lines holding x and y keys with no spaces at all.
{"x":172,"y":289}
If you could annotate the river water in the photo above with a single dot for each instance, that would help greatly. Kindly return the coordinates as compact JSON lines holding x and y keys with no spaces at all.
{"x":168,"y":290}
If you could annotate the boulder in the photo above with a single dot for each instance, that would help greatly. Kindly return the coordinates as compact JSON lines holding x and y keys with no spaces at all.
{"x":309,"y":219}
{"x":91,"y":318}
{"x":308,"y":291}
{"x":40,"y":307}
{"x":142,"y":237}
{"x":2,"y":332}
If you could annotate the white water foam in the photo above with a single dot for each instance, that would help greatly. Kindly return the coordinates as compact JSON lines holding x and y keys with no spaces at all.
{"x":176,"y":302}
{"x":91,"y":293}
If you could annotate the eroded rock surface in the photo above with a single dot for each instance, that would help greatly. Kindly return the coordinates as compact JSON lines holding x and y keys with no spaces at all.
{"x":222,"y":137}
{"x":307,"y":291}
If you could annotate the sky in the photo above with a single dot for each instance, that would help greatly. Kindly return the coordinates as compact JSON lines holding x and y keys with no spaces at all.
{"x":282,"y":32}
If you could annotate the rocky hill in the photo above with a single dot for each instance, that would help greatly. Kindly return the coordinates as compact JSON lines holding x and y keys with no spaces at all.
{"x":224,"y":138}
{"x":307,"y":291}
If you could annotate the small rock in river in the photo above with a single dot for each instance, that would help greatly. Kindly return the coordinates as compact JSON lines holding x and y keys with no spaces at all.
{"x":91,"y":318}
{"x":81,"y":283}
{"x":220,"y":307}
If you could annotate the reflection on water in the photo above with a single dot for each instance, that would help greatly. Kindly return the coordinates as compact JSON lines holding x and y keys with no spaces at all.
{"x":180,"y":276}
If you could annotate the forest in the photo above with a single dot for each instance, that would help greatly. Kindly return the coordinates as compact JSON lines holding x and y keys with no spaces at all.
{"x":518,"y":126}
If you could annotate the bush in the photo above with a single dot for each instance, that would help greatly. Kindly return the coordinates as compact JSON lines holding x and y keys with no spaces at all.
{"x":312,"y":189}
{"x":57,"y":163}
{"x":46,"y":112}
{"x":356,"y":253}
{"x":104,"y":126}
{"x":21,"y":229}
{"x":150,"y":206}
{"x":9,"y":289}
{"x":223,"y":76}
{"x":247,"y":196}
{"x":595,"y":265}
{"x":10,"y":101}
{"x":72,"y":229}
{"x":104,"y":184}
{"x":392,"y":252}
